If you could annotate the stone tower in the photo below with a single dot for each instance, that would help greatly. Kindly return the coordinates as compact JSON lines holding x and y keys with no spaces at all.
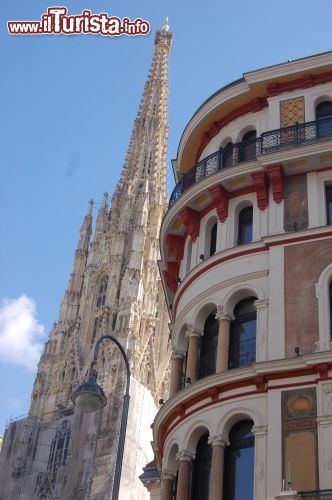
{"x":59,"y":453}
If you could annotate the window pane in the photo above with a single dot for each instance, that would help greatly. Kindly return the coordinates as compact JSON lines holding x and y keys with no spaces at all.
{"x":239,"y":463}
{"x":328,"y":194}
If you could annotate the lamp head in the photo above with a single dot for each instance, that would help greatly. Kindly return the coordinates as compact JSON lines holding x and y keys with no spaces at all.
{"x":89,"y":396}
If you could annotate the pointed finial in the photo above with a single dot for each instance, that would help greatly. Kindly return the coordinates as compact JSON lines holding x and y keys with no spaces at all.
{"x":104,"y":204}
{"x":165,"y":26}
{"x":91,"y":203}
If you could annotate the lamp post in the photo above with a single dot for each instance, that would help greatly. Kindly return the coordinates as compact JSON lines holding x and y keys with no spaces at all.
{"x":89,"y":397}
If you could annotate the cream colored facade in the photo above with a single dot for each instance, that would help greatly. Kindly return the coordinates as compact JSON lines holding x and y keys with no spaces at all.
{"x":115,"y":288}
{"x":246,"y":250}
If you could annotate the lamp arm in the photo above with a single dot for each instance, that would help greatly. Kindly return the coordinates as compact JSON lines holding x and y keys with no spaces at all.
{"x":124,"y":356}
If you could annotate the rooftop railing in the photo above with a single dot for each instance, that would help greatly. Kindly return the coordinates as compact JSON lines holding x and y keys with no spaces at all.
{"x":269,"y":142}
{"x":315,"y":495}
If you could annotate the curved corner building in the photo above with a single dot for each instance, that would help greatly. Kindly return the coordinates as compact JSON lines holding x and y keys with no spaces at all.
{"x":247,"y":267}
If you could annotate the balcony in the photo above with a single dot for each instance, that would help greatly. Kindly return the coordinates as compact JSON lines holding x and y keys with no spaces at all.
{"x":269,"y":142}
{"x":315,"y":495}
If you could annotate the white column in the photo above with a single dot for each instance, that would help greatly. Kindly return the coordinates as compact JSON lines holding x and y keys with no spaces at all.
{"x":262,"y":329}
{"x":324,"y":431}
{"x":260,"y":432}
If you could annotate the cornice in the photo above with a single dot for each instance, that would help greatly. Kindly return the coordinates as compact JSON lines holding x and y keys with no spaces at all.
{"x":288,"y":68}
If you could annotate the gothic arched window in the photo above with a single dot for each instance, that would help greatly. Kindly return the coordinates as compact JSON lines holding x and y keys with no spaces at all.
{"x":245,"y":226}
{"x":242,"y":339}
{"x":239,"y":462}
{"x":208,"y":352}
{"x":324,"y":119}
{"x":59,"y":449}
{"x":101,"y":291}
{"x":200,"y":484}
{"x":248,"y":146}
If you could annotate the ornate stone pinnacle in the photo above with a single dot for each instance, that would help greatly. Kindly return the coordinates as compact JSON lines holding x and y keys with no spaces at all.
{"x":165,"y":26}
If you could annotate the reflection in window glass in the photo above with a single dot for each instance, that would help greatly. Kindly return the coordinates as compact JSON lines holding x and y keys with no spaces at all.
{"x":200,"y":485}
{"x":245,"y":226}
{"x":242,"y":341}
{"x":239,"y":463}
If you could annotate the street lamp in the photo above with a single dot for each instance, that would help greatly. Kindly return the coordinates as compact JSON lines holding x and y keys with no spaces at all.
{"x":89,"y":397}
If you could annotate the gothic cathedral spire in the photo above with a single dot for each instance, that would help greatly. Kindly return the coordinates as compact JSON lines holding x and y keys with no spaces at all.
{"x":114,"y":288}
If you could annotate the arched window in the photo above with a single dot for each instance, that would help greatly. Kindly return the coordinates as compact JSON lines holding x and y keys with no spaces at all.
{"x":228,"y":155}
{"x":242,"y":340}
{"x":101,"y":295}
{"x":59,"y":449}
{"x":245,"y":226}
{"x":208,"y":352}
{"x":328,"y":198}
{"x":200,"y":484}
{"x":324,"y":119}
{"x":239,"y":463}
{"x":213,"y":239}
{"x":248,"y":146}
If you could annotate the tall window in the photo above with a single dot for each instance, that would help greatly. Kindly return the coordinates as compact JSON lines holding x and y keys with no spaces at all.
{"x":101,"y":295}
{"x":242,"y":341}
{"x":248,"y":146}
{"x":239,"y":463}
{"x":324,"y":119}
{"x":209,"y":341}
{"x":200,"y":484}
{"x":328,"y":197}
{"x":213,"y":239}
{"x":245,"y":226}
{"x":59,"y":449}
{"x":189,"y":252}
{"x":228,"y":155}
{"x":330,"y":296}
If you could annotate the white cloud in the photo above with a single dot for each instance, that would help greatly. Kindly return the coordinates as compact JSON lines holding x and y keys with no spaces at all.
{"x":21,"y":336}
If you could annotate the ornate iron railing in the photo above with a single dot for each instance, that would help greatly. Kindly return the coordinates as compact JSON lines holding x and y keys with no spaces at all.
{"x":242,"y":353}
{"x":269,"y":142}
{"x":207,"y":364}
{"x":315,"y":495}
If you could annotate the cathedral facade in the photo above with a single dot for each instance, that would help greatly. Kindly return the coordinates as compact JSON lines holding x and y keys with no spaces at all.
{"x":246,"y":249}
{"x":115,"y":288}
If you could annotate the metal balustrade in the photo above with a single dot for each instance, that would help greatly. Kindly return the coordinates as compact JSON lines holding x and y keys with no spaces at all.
{"x":315,"y":495}
{"x":269,"y":142}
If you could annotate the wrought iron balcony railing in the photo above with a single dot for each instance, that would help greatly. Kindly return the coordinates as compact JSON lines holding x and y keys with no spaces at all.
{"x":269,"y":142}
{"x":315,"y":495}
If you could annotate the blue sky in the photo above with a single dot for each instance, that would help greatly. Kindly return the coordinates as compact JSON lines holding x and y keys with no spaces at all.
{"x":67,"y":105}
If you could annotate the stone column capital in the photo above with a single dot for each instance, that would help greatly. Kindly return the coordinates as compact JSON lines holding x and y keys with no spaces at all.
{"x":261,"y":303}
{"x":178,"y":354}
{"x":192,"y":331}
{"x":222,"y":314}
{"x":185,"y":456}
{"x":259,"y":430}
{"x":168,"y":474}
{"x":218,"y":440}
